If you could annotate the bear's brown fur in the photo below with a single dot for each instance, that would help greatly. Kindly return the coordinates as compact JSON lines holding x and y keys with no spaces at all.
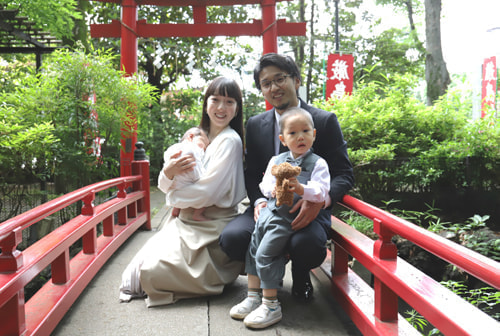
{"x":283,"y":172}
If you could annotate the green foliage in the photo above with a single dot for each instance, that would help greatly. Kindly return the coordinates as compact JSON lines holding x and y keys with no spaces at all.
{"x":13,"y":68}
{"x":360,"y":223}
{"x":473,"y":234}
{"x":384,"y":122}
{"x":253,"y":104}
{"x":165,"y":61}
{"x":58,"y":100}
{"x":26,"y":149}
{"x":416,"y":320}
{"x":167,"y":122}
{"x":420,"y":323}
{"x":386,"y":55}
{"x":486,"y":298}
{"x":55,"y":16}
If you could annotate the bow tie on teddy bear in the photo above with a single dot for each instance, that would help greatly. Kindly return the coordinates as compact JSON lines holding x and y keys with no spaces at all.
{"x":283,"y":172}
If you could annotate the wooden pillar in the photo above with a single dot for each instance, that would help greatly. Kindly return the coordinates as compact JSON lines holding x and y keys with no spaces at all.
{"x":269,"y":27}
{"x":128,"y":63}
{"x":269,"y":31}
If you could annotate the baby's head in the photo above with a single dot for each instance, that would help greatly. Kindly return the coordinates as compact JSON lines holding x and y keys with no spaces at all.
{"x":297,"y":130}
{"x":197,"y":136}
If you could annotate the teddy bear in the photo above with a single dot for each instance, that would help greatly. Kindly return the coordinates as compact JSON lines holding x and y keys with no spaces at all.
{"x":283,"y":172}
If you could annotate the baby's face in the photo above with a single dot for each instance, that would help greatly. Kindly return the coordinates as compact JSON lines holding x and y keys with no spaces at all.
{"x":298,"y":135}
{"x":201,"y":141}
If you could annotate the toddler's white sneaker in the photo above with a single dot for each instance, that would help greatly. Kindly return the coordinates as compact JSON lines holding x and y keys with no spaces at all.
{"x":245,"y":307}
{"x":263,"y":317}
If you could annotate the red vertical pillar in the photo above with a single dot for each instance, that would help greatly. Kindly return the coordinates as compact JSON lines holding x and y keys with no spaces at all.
{"x":128,"y":63}
{"x":269,"y":26}
{"x":269,"y":30}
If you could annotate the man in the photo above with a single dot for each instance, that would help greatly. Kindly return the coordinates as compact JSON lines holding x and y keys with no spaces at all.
{"x":278,"y":78}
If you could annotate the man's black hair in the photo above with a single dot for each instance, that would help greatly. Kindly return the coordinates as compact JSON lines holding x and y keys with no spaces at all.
{"x":283,"y":62}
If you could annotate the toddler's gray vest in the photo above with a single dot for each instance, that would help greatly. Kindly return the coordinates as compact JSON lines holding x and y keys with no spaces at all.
{"x":307,"y":164}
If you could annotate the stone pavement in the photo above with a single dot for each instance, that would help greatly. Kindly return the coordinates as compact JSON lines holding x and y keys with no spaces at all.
{"x":99,"y":312}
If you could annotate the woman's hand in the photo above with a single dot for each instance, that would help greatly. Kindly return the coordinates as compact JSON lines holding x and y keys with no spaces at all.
{"x":256,"y":210}
{"x":178,"y":165}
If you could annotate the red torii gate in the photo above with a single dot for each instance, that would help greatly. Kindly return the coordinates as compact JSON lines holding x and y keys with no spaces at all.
{"x":129,"y":29}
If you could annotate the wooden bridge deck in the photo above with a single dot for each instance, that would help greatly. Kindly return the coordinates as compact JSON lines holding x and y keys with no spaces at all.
{"x":99,"y":312}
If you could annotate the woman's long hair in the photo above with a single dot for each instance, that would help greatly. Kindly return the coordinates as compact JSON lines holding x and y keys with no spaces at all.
{"x":227,"y":87}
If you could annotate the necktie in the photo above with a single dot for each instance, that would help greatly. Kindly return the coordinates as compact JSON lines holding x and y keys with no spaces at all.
{"x":294,"y":162}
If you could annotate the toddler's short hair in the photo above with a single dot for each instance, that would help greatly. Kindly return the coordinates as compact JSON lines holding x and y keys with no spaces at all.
{"x":293,"y":111}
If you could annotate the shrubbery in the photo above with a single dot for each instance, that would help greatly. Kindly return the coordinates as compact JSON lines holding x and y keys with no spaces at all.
{"x":166,"y":123}
{"x":430,"y":144}
{"x":47,"y":125}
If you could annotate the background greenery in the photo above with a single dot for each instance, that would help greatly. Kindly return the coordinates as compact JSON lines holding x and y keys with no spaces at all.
{"x":46,"y":125}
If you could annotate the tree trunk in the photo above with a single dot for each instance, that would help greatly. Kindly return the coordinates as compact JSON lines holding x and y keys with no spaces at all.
{"x":302,"y":18}
{"x":80,"y":29}
{"x":436,"y":73}
{"x":311,"y":54}
{"x":409,"y":8}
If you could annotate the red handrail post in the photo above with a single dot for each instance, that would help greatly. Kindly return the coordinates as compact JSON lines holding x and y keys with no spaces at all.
{"x":108,"y":228}
{"x":60,"y":269}
{"x":140,"y":166}
{"x":88,"y":205}
{"x":13,"y":315}
{"x":340,"y":262}
{"x":11,"y":259}
{"x":122,"y":213}
{"x":386,"y":301}
{"x":89,"y":241}
{"x":384,"y":248}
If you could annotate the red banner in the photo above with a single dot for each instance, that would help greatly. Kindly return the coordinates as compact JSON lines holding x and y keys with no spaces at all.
{"x":489,"y":84}
{"x":339,"y":72}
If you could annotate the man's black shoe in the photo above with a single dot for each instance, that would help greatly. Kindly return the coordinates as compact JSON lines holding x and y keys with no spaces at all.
{"x":303,"y":291}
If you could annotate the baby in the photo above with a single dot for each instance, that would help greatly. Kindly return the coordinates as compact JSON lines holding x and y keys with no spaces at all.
{"x":193,"y":142}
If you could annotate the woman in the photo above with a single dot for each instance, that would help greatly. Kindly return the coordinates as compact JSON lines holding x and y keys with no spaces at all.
{"x":184,"y":258}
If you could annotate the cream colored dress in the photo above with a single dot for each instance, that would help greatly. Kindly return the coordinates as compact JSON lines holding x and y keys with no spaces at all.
{"x":184,"y":259}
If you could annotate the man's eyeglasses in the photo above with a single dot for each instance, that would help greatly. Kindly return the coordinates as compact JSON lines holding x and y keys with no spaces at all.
{"x":279,"y":80}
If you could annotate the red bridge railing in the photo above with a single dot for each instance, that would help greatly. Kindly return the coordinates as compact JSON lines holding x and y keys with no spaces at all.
{"x":375,"y":310}
{"x":42,"y":312}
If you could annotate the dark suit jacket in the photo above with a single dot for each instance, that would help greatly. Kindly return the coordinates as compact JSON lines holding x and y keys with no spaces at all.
{"x":329,"y":144}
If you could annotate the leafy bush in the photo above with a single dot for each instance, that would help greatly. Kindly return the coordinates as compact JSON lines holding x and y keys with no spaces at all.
{"x":431,"y":145}
{"x":167,"y":122}
{"x":49,"y":125}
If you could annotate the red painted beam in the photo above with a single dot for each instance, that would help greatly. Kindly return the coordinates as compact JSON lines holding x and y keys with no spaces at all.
{"x":35,"y":215}
{"x":183,"y":3}
{"x":197,"y":29}
{"x":112,"y":29}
